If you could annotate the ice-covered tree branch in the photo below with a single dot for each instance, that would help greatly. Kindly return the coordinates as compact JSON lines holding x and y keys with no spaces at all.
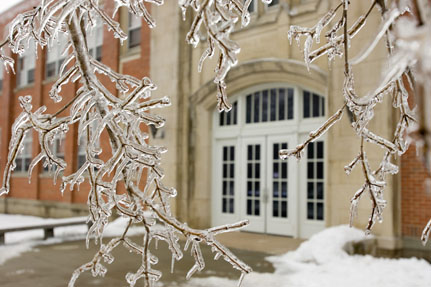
{"x":124,"y":115}
{"x":408,"y":38}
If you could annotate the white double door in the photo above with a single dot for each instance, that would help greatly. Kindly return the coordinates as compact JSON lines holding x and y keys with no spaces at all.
{"x":252,"y":182}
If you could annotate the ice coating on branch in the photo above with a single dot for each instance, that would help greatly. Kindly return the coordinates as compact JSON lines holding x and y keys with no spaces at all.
{"x":217,"y":19}
{"x":408,"y":51}
{"x":130,"y":159}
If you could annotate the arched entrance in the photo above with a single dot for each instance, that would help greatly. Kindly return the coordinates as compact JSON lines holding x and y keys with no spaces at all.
{"x":250,"y":181}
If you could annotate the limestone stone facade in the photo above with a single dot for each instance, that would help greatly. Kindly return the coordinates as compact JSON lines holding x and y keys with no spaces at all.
{"x":266,"y":58}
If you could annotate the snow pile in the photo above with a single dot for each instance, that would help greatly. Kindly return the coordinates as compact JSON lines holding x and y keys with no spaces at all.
{"x":322,"y":262}
{"x":23,"y":241}
{"x":322,"y":247}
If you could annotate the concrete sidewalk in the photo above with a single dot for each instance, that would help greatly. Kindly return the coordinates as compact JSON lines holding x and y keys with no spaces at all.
{"x":52,"y":265}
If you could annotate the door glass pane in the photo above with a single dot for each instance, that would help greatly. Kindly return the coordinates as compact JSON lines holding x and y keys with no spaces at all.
{"x":253,"y":180}
{"x":279,"y":183}
{"x":229,"y":118}
{"x":315,"y":181}
{"x":228,"y":180}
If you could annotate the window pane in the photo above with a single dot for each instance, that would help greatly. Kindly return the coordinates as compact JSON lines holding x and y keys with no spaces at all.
{"x":273,"y":105}
{"x":284,"y":209}
{"x":281,"y":104}
{"x":249,"y":202}
{"x":290,"y":104}
{"x":319,"y":149}
{"x":319,"y":211}
{"x":232,"y":153}
{"x":231,"y":205}
{"x":306,"y":104}
{"x":319,"y":190}
{"x":310,"y":210}
{"x":284,"y":169}
{"x":284,"y":189}
{"x":252,"y":7}
{"x":256,"y":107}
{"x":275,"y":192}
{"x":248,"y":109}
{"x":257,"y":207}
{"x":235,"y":112}
{"x":310,"y":151}
{"x":310,"y":190}
{"x":320,"y":170}
{"x":310,"y":170}
{"x":257,"y":151}
{"x":264,"y":106}
{"x":225,"y":167}
{"x":275,"y":208}
{"x":221,"y":117}
{"x":134,"y":37}
{"x":316,"y":102}
{"x":322,"y":105}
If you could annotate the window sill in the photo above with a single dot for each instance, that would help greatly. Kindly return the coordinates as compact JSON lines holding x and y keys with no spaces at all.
{"x":131,"y":54}
{"x":20,"y":174}
{"x":50,"y":80}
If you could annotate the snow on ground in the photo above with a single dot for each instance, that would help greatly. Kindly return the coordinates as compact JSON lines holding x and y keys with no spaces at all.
{"x":322,"y":262}
{"x":22,"y":241}
{"x":319,"y":262}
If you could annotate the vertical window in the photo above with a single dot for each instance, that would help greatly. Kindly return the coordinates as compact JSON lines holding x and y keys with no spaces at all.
{"x":26,"y":65}
{"x":95,"y":41}
{"x":134,"y":34}
{"x":57,"y":149}
{"x":229,"y":118}
{"x":253,"y":180}
{"x":314,"y":105}
{"x":228,"y":179}
{"x":23,"y":159}
{"x":315,"y":182}
{"x":54,"y":58}
{"x":279,"y":182}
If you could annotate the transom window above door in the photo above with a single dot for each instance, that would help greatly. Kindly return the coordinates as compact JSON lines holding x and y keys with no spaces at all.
{"x":275,"y":104}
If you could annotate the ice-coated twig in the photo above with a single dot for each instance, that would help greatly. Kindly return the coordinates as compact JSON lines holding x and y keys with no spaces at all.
{"x":124,"y":116}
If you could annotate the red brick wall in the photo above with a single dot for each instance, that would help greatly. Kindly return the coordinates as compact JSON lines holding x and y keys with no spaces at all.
{"x":416,"y":196}
{"x":41,"y":186}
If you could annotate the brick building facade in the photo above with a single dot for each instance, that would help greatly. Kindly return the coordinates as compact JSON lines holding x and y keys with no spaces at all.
{"x":35,"y":75}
